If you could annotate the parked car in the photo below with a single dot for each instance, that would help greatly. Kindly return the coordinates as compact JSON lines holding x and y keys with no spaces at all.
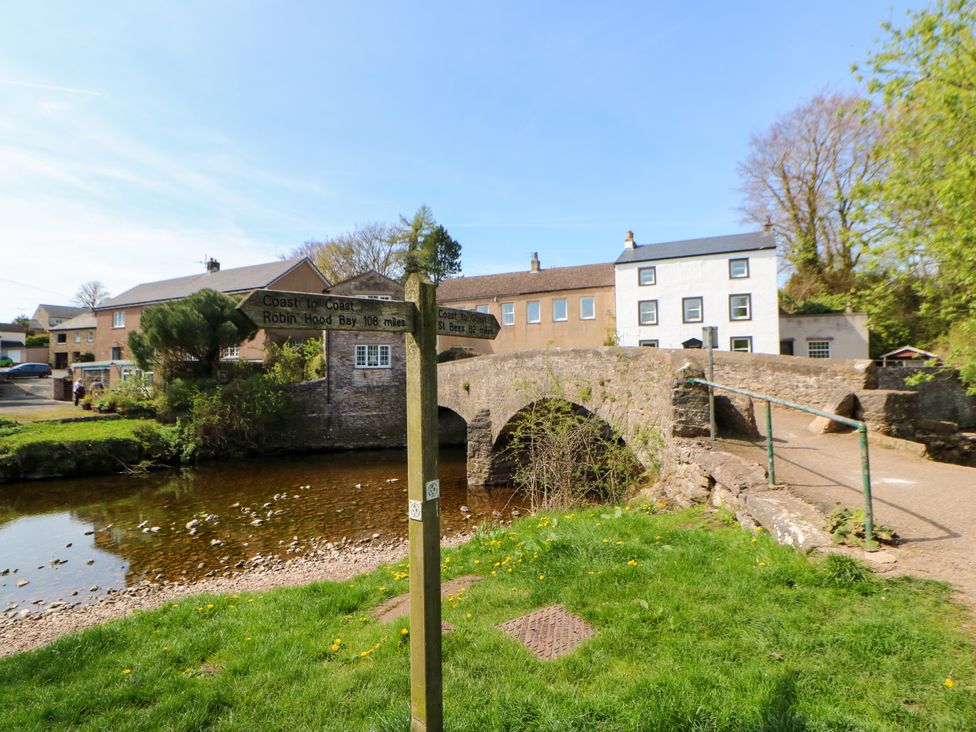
{"x":26,"y":370}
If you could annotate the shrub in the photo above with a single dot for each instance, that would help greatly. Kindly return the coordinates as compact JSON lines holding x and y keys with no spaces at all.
{"x":293,"y":363}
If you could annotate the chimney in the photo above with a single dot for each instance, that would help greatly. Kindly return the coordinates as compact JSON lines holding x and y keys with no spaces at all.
{"x":629,"y":240}
{"x":768,"y":226}
{"x":212,"y":266}
{"x":534,"y":264}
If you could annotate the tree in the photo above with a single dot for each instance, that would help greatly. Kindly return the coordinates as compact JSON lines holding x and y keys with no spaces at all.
{"x":925,"y":75}
{"x":370,"y":246}
{"x":23,"y":321}
{"x":90,"y":294}
{"x":804,"y":178}
{"x":194,"y":329}
{"x":438,"y":255}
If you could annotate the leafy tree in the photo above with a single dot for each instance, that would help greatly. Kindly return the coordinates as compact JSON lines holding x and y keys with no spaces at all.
{"x":194,"y":329}
{"x":925,"y":75}
{"x":90,"y":294}
{"x":23,"y":321}
{"x":438,"y":255}
{"x":371,"y":246}
{"x":804,"y":179}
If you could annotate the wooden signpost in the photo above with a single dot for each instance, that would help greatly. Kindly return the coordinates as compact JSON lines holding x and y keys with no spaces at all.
{"x":422,"y":321}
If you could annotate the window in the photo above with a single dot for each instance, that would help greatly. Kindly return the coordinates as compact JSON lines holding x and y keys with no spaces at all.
{"x":743,"y":344}
{"x":559,"y":309}
{"x":56,"y":321}
{"x":587,"y":308}
{"x":508,"y":313}
{"x":647,"y":312}
{"x":379,"y":297}
{"x":647,"y":276}
{"x":818,"y":349}
{"x":116,"y":353}
{"x":118,"y":319}
{"x":649,"y":344}
{"x":533,"y":314}
{"x":91,"y":336}
{"x":372,"y":357}
{"x":481,"y":309}
{"x":738,"y":269}
{"x":77,"y":337}
{"x":740,"y":307}
{"x":62,"y":337}
{"x":691,"y":310}
{"x":231,"y":352}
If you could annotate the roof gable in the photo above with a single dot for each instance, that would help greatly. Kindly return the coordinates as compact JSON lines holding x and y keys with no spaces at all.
{"x":368,"y":281}
{"x":728,"y":244}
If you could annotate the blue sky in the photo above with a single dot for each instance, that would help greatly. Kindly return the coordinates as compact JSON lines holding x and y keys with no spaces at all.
{"x":136,"y":138}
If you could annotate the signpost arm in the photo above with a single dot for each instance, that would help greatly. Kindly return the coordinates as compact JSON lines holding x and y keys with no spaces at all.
{"x":423,"y":491}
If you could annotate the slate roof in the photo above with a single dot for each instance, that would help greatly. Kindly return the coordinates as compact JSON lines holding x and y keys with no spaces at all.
{"x":62,"y":311}
{"x":727,"y":244}
{"x":524,"y":283}
{"x":238,"y":279}
{"x":12,"y":328}
{"x":85,"y":320}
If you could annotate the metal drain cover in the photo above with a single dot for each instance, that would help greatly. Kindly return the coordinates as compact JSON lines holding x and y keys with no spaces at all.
{"x":550,"y":632}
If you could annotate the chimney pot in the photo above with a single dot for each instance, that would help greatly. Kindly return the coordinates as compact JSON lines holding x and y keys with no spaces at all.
{"x":629,"y":240}
{"x":535,"y":265}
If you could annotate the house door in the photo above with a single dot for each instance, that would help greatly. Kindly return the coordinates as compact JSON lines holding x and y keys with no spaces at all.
{"x":60,"y":360}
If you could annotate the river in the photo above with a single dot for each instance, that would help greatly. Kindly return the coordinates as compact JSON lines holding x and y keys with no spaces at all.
{"x":73,"y":540}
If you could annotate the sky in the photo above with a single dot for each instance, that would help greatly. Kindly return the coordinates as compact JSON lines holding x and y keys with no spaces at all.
{"x":138,"y":139}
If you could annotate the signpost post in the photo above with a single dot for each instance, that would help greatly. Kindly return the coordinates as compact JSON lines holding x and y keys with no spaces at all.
{"x":422,"y":321}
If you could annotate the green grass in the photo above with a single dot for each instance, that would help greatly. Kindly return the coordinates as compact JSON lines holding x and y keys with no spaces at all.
{"x":711,"y":628}
{"x":91,"y":431}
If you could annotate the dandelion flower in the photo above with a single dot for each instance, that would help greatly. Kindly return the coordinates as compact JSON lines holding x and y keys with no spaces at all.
{"x":758,"y":529}
{"x":127,"y":671}
{"x":541,"y":577}
{"x":404,"y":631}
{"x":619,"y":542}
{"x":949,"y":683}
{"x":210,"y":606}
{"x":477,"y":561}
{"x":247,"y":637}
{"x":632,"y":562}
{"x":469,"y":616}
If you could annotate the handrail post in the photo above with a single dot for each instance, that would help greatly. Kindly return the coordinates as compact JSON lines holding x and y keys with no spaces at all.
{"x":866,"y":482}
{"x":770,"y":460}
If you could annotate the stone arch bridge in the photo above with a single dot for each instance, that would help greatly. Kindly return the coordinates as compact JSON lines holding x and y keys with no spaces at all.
{"x":640,"y":392}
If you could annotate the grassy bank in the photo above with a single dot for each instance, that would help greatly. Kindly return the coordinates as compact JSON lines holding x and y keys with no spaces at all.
{"x":51,"y":449}
{"x":700,"y":626}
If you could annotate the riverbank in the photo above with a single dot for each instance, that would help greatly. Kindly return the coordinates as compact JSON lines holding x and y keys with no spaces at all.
{"x":697,"y":624}
{"x":26,"y":628}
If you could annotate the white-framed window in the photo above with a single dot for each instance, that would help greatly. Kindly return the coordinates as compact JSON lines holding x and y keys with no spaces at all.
{"x":91,"y":336}
{"x":647,"y":312}
{"x":373,"y":356}
{"x":62,"y":338}
{"x":231,"y":353}
{"x":649,"y":343}
{"x":739,"y":268}
{"x":508,"y":313}
{"x":740,"y":307}
{"x":533,"y":312}
{"x":559,"y":309}
{"x":118,"y":319}
{"x":77,"y":337}
{"x":379,"y":297}
{"x":587,"y":308}
{"x":646,"y":276}
{"x":741,"y":343}
{"x":818,"y":349}
{"x":692,"y":310}
{"x":481,"y":309}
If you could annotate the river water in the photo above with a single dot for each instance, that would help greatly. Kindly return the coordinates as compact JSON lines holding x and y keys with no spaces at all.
{"x":87,"y":535}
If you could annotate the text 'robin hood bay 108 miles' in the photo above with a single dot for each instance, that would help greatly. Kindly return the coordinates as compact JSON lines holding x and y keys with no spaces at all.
{"x":303,"y":311}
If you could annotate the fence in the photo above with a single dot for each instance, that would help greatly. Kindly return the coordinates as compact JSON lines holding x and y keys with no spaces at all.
{"x":869,"y":542}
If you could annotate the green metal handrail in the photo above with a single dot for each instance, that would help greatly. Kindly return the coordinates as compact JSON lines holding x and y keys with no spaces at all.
{"x":862,"y":429}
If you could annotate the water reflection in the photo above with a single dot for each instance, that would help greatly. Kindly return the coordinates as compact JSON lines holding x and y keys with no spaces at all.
{"x":243,"y":509}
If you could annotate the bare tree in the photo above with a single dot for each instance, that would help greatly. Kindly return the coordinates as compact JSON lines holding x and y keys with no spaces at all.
{"x":806,"y":178}
{"x":90,"y":294}
{"x":371,"y":246}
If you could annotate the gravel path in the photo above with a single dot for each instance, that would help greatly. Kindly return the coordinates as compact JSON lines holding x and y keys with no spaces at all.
{"x":336,"y":563}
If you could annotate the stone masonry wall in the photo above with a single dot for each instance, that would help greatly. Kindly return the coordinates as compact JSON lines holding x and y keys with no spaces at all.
{"x":943,"y":398}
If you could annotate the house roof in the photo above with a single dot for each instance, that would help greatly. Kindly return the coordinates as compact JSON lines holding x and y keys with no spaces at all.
{"x":85,"y":320}
{"x":371,"y":277}
{"x":12,"y":328}
{"x":238,"y":279}
{"x":730,"y":243}
{"x":61,"y":311}
{"x":524,"y":283}
{"x":906,"y":352}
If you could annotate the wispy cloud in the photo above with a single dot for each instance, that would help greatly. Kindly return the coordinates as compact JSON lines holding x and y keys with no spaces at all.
{"x":50,"y":87}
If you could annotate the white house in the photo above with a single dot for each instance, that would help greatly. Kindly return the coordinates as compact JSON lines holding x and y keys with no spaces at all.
{"x":667,"y":292}
{"x":13,"y":339}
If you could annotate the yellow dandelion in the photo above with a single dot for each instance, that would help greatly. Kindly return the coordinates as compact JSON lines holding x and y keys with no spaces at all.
{"x":762,"y":564}
{"x":334,"y":647}
{"x":541,"y":577}
{"x":469,"y":616}
{"x":949,"y":683}
{"x":127,"y":671}
{"x":247,"y":637}
{"x":754,"y":540}
{"x":235,"y":597}
{"x":250,"y":599}
{"x":404,"y":631}
{"x":232,"y":605}
{"x":758,"y":529}
{"x":632,"y":562}
{"x":210,"y":606}
{"x":493,"y":573}
{"x":606,"y":541}
{"x":477,"y":561}
{"x":619,"y":542}
{"x":657,"y":538}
